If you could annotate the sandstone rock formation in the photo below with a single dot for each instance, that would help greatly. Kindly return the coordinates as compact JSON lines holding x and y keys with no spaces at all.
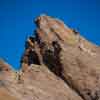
{"x":57,"y":64}
{"x":36,"y":83}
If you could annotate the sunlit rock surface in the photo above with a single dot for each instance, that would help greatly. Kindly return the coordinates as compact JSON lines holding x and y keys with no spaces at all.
{"x":57,"y":64}
{"x":35,"y":83}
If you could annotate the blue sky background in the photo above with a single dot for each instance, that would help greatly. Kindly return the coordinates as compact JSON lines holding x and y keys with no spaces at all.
{"x":16,"y":22}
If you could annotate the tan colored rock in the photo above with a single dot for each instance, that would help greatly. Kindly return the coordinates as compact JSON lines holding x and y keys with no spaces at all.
{"x":82,"y":71}
{"x":36,"y":83}
{"x":57,"y":64}
{"x":77,"y":61}
{"x":50,"y":29}
{"x":4,"y":95}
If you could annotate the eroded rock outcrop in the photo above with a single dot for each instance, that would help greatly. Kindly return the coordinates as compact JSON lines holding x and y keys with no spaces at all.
{"x":35,"y":83}
{"x":69,"y":56}
{"x":57,"y":64}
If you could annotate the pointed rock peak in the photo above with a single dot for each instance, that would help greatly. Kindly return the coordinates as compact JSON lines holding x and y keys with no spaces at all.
{"x":51,"y":29}
{"x":50,"y":35}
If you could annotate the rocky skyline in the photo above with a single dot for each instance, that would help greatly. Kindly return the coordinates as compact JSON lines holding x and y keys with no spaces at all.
{"x":57,"y":64}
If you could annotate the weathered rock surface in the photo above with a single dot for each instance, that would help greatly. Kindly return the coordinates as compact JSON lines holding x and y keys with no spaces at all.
{"x":57,"y":64}
{"x":36,"y":83}
{"x":69,"y":56}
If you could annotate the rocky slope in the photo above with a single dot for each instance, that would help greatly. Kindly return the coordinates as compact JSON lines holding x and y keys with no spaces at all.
{"x":36,"y":83}
{"x":57,"y":64}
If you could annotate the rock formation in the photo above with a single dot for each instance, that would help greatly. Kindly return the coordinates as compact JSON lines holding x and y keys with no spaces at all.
{"x":57,"y":64}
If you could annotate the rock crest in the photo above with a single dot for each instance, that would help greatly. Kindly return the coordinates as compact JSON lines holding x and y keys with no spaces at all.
{"x":57,"y":64}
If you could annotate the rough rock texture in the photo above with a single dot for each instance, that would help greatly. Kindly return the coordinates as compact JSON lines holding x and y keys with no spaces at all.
{"x":36,"y":83}
{"x":57,"y":64}
{"x":68,"y":55}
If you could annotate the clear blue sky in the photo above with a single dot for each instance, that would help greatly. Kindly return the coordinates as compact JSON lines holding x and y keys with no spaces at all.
{"x":16,"y":21}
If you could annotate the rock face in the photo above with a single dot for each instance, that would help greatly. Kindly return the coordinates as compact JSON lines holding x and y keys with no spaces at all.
{"x":57,"y":64}
{"x":35,"y":83}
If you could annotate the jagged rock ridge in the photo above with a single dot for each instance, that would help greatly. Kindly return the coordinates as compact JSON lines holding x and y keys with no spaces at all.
{"x":57,"y":64}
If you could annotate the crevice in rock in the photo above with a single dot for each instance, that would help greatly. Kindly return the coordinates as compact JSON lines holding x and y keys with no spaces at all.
{"x":52,"y":60}
{"x":33,"y":58}
{"x":30,"y":56}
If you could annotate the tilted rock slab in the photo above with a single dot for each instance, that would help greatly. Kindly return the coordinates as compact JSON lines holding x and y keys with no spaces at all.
{"x":35,"y":83}
{"x":58,"y":64}
{"x":69,"y":55}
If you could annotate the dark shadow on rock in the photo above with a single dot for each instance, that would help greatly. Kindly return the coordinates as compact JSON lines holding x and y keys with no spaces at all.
{"x":52,"y":58}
